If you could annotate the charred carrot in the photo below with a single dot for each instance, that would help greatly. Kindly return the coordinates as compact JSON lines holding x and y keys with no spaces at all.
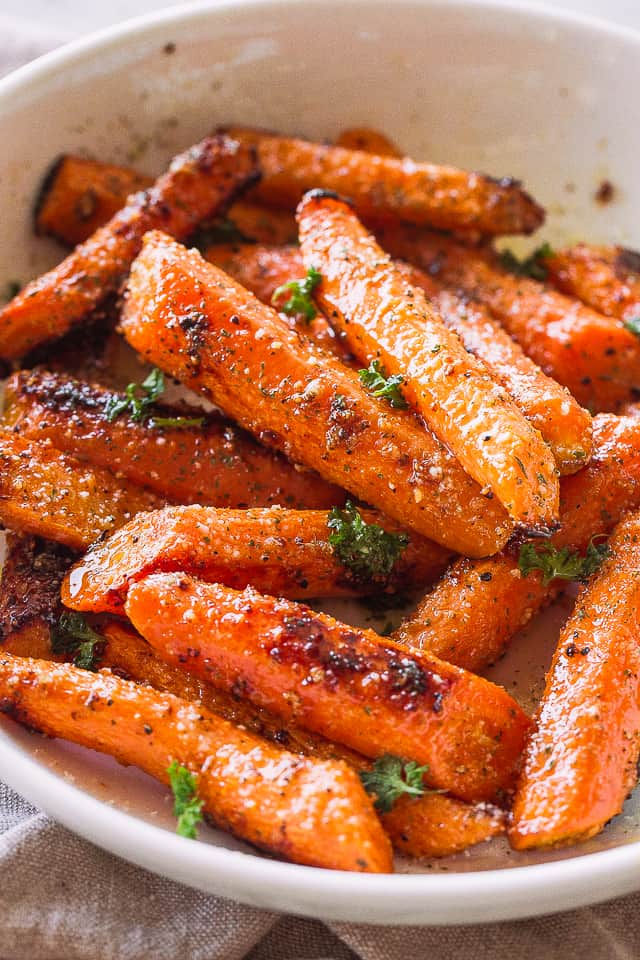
{"x":54,"y":496}
{"x":384,"y":187}
{"x":212,"y":462}
{"x":474,"y":611}
{"x":200,"y":326}
{"x":368,"y":140}
{"x":605,"y":278}
{"x":80,"y":195}
{"x":347,"y":684}
{"x":308,"y":811}
{"x":198,"y":184}
{"x":563,"y":424}
{"x":595,"y":356}
{"x":283,"y":552}
{"x":581,"y":762}
{"x":383,"y":318}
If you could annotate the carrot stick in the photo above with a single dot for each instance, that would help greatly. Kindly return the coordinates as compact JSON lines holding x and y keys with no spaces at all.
{"x":581,"y":763}
{"x":284,"y":552}
{"x":383,"y":318}
{"x":80,"y":195}
{"x":438,"y":826}
{"x":199,"y":183}
{"x":308,"y":811}
{"x":593,"y":355}
{"x":384,"y":187}
{"x":368,"y":140}
{"x":51,"y":495}
{"x":214,"y":463}
{"x":345,"y":683}
{"x":470,"y":616}
{"x":605,"y":278}
{"x":244,"y":358}
{"x":563,"y":424}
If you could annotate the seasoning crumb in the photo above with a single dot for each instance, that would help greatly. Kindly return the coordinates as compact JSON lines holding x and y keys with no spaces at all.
{"x":169,"y":48}
{"x":605,"y":193}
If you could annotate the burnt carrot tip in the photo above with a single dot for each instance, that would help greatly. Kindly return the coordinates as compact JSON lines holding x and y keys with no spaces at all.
{"x":319,"y":194}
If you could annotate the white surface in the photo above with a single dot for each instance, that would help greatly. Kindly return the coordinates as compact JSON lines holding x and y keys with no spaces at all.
{"x":536,"y":96}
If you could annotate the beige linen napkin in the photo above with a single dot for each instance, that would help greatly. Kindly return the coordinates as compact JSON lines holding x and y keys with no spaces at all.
{"x":61,"y":898}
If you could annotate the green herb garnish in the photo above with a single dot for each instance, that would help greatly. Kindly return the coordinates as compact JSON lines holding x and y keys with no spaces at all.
{"x":299,"y":302}
{"x":532,"y":266}
{"x":633,"y":325}
{"x":365,"y":549}
{"x":390,"y":778}
{"x":187,"y":806}
{"x":561,"y":564}
{"x":138,"y":402}
{"x":380,"y":385}
{"x":73,"y":635}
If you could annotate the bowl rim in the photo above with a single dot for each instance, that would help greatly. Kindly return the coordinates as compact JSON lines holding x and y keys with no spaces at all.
{"x":570,"y":881}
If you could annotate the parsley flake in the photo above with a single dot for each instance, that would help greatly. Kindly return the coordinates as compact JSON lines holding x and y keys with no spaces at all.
{"x":365,"y":549}
{"x":379,"y":385}
{"x":187,"y":806}
{"x":299,"y":302}
{"x":138,"y":402}
{"x":73,"y":635}
{"x":562,"y":563}
{"x":532,"y":266}
{"x":390,"y":778}
{"x":633,"y":325}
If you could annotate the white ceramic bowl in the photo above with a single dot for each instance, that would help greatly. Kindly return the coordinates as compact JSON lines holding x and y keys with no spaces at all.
{"x":549,"y":98}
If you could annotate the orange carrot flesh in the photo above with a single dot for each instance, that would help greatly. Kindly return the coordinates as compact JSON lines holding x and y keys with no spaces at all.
{"x":368,"y":140}
{"x":80,"y":195}
{"x":605,"y":278}
{"x":383,"y":187}
{"x":284,"y":552}
{"x":434,"y":825}
{"x":195,"y":323}
{"x":470,"y":616}
{"x":309,"y":811}
{"x":214,"y":463}
{"x":595,"y":356}
{"x":549,"y":407}
{"x":198,"y":184}
{"x":382,"y":317}
{"x":581,"y":762}
{"x":347,"y":684}
{"x":51,"y":495}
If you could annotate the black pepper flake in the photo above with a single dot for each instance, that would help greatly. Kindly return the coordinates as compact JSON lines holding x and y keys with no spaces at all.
{"x":486,"y":577}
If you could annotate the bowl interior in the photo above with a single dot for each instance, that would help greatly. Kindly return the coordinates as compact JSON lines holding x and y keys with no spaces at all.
{"x":533,"y":95}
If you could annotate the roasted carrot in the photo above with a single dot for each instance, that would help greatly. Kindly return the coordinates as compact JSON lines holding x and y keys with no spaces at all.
{"x":605,"y":278}
{"x":54,"y":496}
{"x":474,"y":611}
{"x":433,"y":825}
{"x":210,"y":463}
{"x":368,"y":140}
{"x":347,"y":684}
{"x":198,"y":325}
{"x":382,"y":317}
{"x":80,"y":195}
{"x":284,"y":552}
{"x":593,"y":355}
{"x":308,"y":811}
{"x":199,"y":183}
{"x":562,"y":422}
{"x":581,"y":762}
{"x":387,"y":187}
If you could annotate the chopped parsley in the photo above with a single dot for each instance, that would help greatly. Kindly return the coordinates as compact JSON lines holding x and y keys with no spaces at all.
{"x":380,"y":385}
{"x":187,"y":806}
{"x":138,"y":402}
{"x":532,"y":266}
{"x":561,"y":564}
{"x":365,"y":549}
{"x":73,"y":635}
{"x":299,"y":302}
{"x":390,"y":778}
{"x":633,"y":325}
